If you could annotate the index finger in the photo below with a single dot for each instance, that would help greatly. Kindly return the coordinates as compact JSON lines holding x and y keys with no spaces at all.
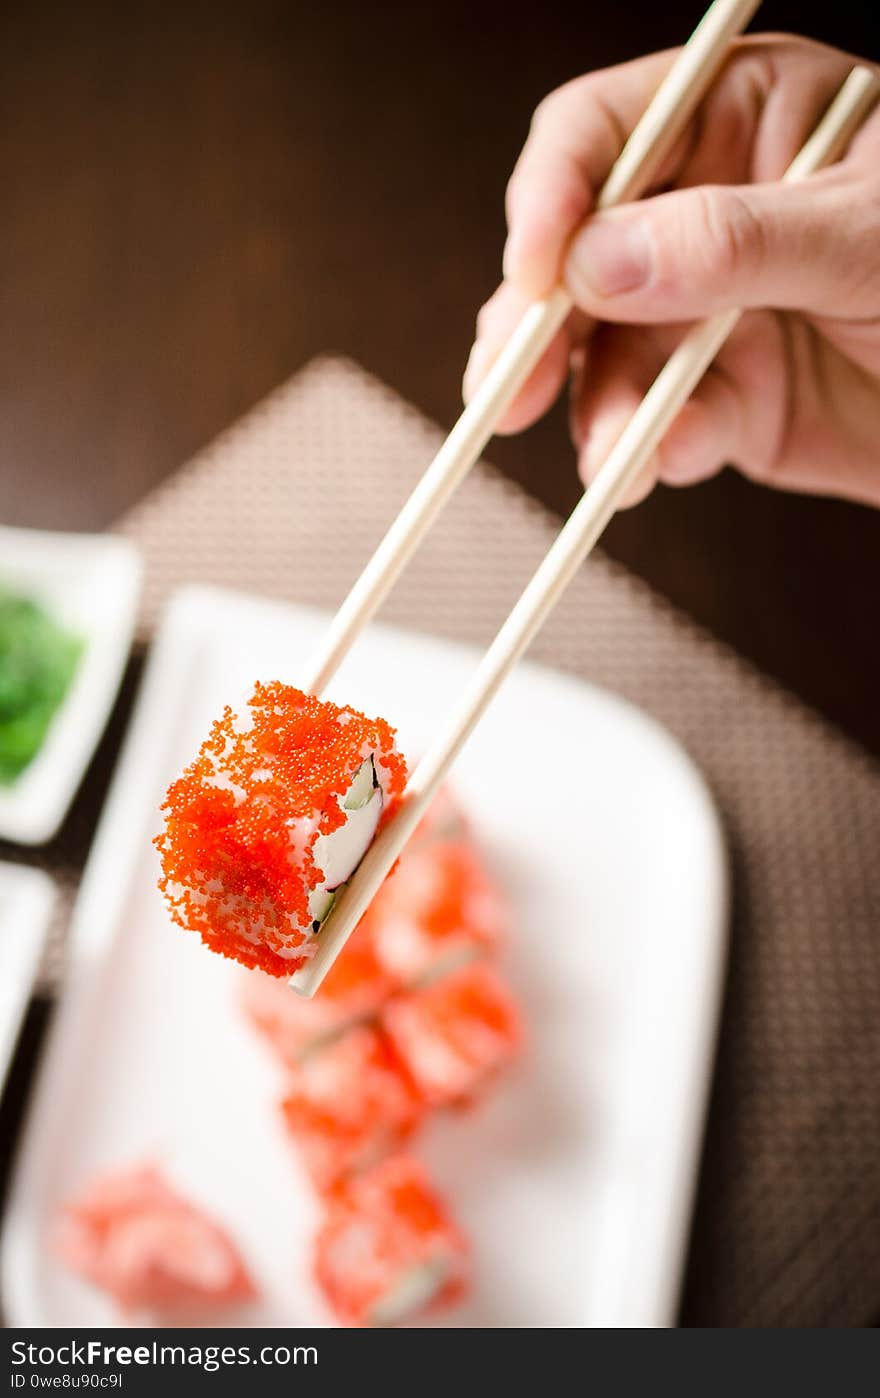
{"x":576,"y":135}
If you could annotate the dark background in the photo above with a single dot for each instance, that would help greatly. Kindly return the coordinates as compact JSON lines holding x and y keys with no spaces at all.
{"x":197,"y":199}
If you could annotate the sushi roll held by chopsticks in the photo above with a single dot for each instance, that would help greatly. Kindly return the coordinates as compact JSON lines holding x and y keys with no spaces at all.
{"x":280,"y":808}
{"x":271,"y":819}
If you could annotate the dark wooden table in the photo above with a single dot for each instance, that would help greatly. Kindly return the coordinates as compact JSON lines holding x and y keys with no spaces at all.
{"x":198,"y":199}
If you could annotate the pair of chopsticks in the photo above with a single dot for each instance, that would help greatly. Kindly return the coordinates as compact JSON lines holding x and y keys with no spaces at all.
{"x":665,"y":118}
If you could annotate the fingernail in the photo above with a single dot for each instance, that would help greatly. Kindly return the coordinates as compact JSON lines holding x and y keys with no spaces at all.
{"x":609,"y":256}
{"x":474,"y":370}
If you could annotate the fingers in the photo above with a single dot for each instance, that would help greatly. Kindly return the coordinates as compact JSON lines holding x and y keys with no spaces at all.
{"x":495,"y":324}
{"x":708,"y":245}
{"x":763,"y":105}
{"x":759,"y":113}
{"x":813,"y":246}
{"x":606,"y":393}
{"x":711,"y":430}
{"x":576,"y":135}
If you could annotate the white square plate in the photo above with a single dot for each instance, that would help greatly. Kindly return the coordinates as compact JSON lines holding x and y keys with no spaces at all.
{"x":27,"y":897}
{"x":90,"y":583}
{"x":575,"y":1179}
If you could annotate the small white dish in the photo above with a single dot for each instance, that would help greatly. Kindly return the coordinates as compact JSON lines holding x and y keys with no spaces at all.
{"x":575,"y":1181}
{"x":90,"y":583}
{"x":27,"y":897}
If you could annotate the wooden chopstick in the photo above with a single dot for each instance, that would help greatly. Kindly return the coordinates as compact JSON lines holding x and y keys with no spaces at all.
{"x":662,"y":123}
{"x":663,"y":401}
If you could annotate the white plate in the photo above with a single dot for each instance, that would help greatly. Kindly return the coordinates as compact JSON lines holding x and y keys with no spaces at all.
{"x":90,"y":583}
{"x":26,"y":900}
{"x":575,"y":1180}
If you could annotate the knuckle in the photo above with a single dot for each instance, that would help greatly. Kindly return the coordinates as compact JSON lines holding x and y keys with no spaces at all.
{"x":491,"y":312}
{"x":484,"y":316}
{"x":555,"y":112}
{"x":549,"y":109}
{"x":714,"y":237}
{"x":512,"y":190}
{"x":547,"y":116}
{"x":729,"y":233}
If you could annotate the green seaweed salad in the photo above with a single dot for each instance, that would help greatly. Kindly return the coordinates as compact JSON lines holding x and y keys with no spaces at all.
{"x":38,"y":658}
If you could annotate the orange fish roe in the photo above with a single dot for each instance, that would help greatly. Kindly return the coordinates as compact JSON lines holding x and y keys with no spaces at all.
{"x":381,"y":1230}
{"x":456,"y":1034}
{"x":132,"y":1235}
{"x":440,"y":909}
{"x":241,"y":823}
{"x":354,"y":991}
{"x":350,"y":1105}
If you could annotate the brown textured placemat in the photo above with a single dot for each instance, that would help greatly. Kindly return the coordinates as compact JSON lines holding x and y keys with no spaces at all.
{"x":787,"y":1227}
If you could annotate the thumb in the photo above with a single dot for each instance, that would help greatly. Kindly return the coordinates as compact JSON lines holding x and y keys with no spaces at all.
{"x":811,"y":246}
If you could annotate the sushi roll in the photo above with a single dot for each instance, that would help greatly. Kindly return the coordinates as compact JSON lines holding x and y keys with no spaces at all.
{"x":272,"y":817}
{"x":349,"y":1106}
{"x":131,"y":1235}
{"x":353,"y":993}
{"x":387,"y":1249}
{"x":438,"y":911}
{"x":455,"y":1035}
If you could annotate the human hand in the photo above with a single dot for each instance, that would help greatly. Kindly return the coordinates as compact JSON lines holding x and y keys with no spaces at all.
{"x":793,"y":399}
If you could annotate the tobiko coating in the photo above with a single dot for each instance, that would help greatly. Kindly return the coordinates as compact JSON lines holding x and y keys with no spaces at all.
{"x":455,"y":1035}
{"x":440,"y":910}
{"x":132,"y":1235}
{"x":350,"y":1105}
{"x":271,"y":818}
{"x":353,"y":992}
{"x":388,"y":1248}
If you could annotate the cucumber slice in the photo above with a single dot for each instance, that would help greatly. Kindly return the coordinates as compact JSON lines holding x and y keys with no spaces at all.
{"x":338,"y":854}
{"x":412,"y":1292}
{"x":321,"y":900}
{"x":361,"y":789}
